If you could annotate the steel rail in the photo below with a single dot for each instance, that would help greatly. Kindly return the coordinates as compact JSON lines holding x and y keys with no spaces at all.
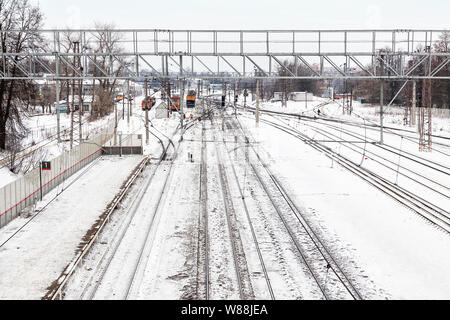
{"x":115,"y":205}
{"x":303,"y":117}
{"x":232,"y":230}
{"x":396,"y":151}
{"x":252,"y":229}
{"x":402,"y":196}
{"x":58,"y":293}
{"x":16,"y":232}
{"x":131,"y":281}
{"x":311,"y":234}
{"x":326,"y":133}
{"x":203,"y":246}
{"x":331,"y":135}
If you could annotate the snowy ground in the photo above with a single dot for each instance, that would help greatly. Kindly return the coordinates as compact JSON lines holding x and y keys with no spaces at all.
{"x":43,"y":136}
{"x":218,"y":227}
{"x":394,"y":116}
{"x":382,"y":243}
{"x":36,"y":256}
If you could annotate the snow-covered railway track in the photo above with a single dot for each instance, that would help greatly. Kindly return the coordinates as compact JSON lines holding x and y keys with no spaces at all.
{"x":432,"y":213}
{"x":419,"y":178}
{"x":96,"y":279}
{"x":240,"y":263}
{"x":251,"y":225}
{"x":438,"y":167}
{"x":407,"y":134}
{"x":203,"y":236}
{"x":313,"y":253}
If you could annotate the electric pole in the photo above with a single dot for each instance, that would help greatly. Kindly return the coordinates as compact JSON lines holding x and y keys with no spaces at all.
{"x":129,"y":103}
{"x":235,"y":99}
{"x":72,"y":91}
{"x":123,"y":101}
{"x":257,"y":103}
{"x":147,"y":133}
{"x":77,"y":66}
{"x":181,"y":96}
{"x":414,"y":104}
{"x":382,"y":100}
{"x":58,"y":118}
{"x":224,"y":97}
{"x":168,"y":88}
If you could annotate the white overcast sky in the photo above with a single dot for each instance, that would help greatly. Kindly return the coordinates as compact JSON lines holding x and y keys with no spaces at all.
{"x":245,"y":14}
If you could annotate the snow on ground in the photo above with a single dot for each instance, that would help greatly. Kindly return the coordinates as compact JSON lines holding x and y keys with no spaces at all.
{"x":35,"y":257}
{"x":380,"y":243}
{"x":43,"y":135}
{"x":165,"y":234}
{"x":394,"y":116}
{"x":387,"y":251}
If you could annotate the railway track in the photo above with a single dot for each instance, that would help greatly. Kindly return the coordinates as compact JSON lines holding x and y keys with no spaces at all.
{"x":312,"y":252}
{"x":370,"y":126}
{"x":239,"y":258}
{"x":203,"y":236}
{"x":386,"y":147}
{"x":95,"y":280}
{"x":250,"y":223}
{"x":315,"y":256}
{"x":428,"y":183}
{"x":435,"y":215}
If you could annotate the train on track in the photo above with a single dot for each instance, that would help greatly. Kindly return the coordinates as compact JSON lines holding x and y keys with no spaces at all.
{"x":190,"y":99}
{"x":148,"y":103}
{"x":175,"y":103}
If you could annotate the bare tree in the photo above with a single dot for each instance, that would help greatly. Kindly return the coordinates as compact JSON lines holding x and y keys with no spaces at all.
{"x":106,"y":42}
{"x":16,"y":15}
{"x":292,"y":85}
{"x":441,"y":88}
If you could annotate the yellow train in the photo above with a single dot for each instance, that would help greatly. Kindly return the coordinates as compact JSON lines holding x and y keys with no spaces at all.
{"x":191,"y":98}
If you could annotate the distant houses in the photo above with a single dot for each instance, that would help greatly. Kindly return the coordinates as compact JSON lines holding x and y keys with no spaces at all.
{"x":293,"y":96}
{"x":86,"y":100}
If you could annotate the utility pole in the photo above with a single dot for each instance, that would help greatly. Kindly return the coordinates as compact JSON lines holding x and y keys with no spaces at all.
{"x":426,"y":116}
{"x":181,"y":95}
{"x":257,"y":103}
{"x":430,"y":104}
{"x":245,"y":100}
{"x":414,"y":104}
{"x":147,"y":133}
{"x":115,"y":123}
{"x":163,"y":81}
{"x":58,"y":98}
{"x":351,"y":100}
{"x":345,"y":91}
{"x":224,"y":96}
{"x":382,"y":100}
{"x":168,"y":88}
{"x":306,"y":99}
{"x":78,"y":66}
{"x":235,"y":99}
{"x":123,"y":102}
{"x":129,"y":103}
{"x":72,"y":91}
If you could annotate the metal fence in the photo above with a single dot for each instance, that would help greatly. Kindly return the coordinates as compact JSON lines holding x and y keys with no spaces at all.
{"x":124,"y":144}
{"x":26,"y":191}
